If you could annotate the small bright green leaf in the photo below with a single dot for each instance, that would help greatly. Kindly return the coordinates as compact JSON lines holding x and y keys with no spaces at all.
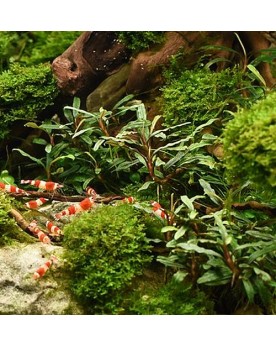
{"x":180,"y":233}
{"x":186,"y":200}
{"x":48,"y":148}
{"x":168,"y":229}
{"x":146,"y":185}
{"x":40,"y":141}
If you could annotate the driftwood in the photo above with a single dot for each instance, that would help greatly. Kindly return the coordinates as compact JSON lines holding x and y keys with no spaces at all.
{"x":96,"y":55}
{"x":88,"y":61}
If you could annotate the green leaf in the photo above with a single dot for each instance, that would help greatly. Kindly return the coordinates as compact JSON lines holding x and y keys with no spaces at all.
{"x":216,"y":277}
{"x":168,"y":229}
{"x":32,"y":125}
{"x":182,"y":230}
{"x":40,"y":141}
{"x":76,"y":105}
{"x":153,"y":124}
{"x":249,"y":289}
{"x":198,"y":249}
{"x":146,"y":185}
{"x":209,"y":191}
{"x":186,"y":200}
{"x":76,"y":134}
{"x":256,"y":74}
{"x":179,"y":276}
{"x":267,"y":249}
{"x":48,"y":148}
{"x":23,"y":153}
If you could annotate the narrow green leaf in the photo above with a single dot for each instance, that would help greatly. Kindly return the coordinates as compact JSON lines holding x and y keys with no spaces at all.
{"x":198,"y":249}
{"x":40,"y":141}
{"x":182,"y":230}
{"x":209,"y":191}
{"x":76,"y":105}
{"x":146,"y":185}
{"x":168,"y":229}
{"x":256,"y":74}
{"x":186,"y":200}
{"x":249,"y":289}
{"x":23,"y":153}
{"x":267,"y":249}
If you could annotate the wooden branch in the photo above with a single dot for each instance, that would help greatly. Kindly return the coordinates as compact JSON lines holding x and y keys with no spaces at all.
{"x":255,"y":206}
{"x":63,"y":198}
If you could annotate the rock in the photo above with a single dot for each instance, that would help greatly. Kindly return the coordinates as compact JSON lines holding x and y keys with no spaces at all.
{"x":21,"y":294}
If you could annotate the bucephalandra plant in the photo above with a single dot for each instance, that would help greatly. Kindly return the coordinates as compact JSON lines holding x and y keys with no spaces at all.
{"x":223,"y":248}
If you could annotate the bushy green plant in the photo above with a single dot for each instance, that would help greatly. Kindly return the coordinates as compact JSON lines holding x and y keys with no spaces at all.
{"x":173,"y":298}
{"x":250,"y":145}
{"x":199,"y":94}
{"x":138,"y":41}
{"x":24,"y":92}
{"x":104,"y":251}
{"x":224,"y":248}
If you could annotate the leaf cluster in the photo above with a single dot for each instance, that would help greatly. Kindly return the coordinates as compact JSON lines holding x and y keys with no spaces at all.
{"x":104,"y":251}
{"x":224,"y":248}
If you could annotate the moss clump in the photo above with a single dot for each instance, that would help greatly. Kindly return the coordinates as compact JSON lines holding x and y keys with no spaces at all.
{"x":200,"y":94}
{"x":138,"y":41}
{"x":105,"y":250}
{"x":24,"y":92}
{"x":174,"y":298}
{"x":250,"y":145}
{"x":9,"y":231}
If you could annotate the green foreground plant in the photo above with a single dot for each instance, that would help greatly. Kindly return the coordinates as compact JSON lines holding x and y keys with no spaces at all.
{"x":104,"y":250}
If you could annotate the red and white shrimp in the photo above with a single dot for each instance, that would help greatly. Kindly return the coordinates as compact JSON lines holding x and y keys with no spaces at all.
{"x":41,"y":271}
{"x":36,"y":203}
{"x":43,"y":185}
{"x":40,"y":234}
{"x":12,"y":189}
{"x":85,"y":204}
{"x":53,"y":229}
{"x":91,"y":192}
{"x":159,"y":211}
{"x":129,"y":200}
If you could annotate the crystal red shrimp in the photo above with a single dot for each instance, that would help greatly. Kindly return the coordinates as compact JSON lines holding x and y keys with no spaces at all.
{"x":41,"y":271}
{"x":12,"y":189}
{"x":37,"y":231}
{"x":53,"y":229}
{"x":43,"y":185}
{"x":85,"y":204}
{"x":36,"y":203}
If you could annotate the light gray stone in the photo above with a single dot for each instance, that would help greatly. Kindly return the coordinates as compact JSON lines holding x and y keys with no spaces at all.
{"x":21,"y":294}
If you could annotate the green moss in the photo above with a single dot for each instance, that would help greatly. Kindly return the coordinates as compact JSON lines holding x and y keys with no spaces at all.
{"x":200,"y":94}
{"x":174,"y":298}
{"x":44,"y":46}
{"x":138,"y":41}
{"x":105,"y":250}
{"x":9,"y":231}
{"x":250,"y":145}
{"x":24,"y":92}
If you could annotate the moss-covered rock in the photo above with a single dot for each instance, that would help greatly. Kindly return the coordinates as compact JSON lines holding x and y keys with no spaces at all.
{"x":250,"y":145}
{"x":105,"y":250}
